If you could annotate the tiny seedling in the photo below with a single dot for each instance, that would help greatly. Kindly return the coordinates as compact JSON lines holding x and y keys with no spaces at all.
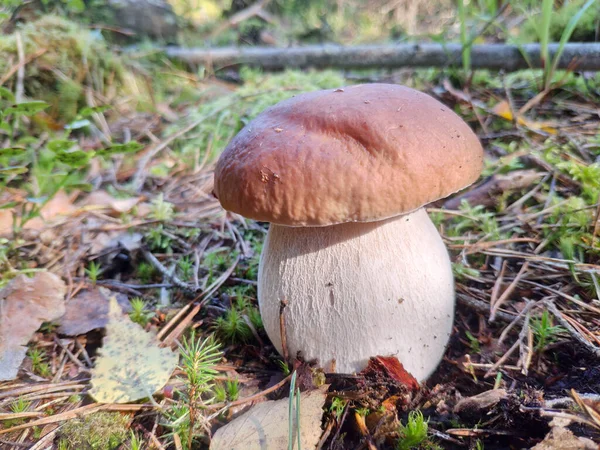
{"x":544,"y":331}
{"x":220,"y":393}
{"x":414,"y":433}
{"x":198,"y":359}
{"x":161,"y":210}
{"x":93,"y":271}
{"x":285,"y":368}
{"x":38,"y":362}
{"x":473,"y":342}
{"x":232,"y":326}
{"x":139,"y":312}
{"x":337,"y":407}
{"x":233,"y":389}
{"x":186,"y":267}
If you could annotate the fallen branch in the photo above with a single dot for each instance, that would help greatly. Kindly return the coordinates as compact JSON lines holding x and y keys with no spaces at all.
{"x":576,"y":56}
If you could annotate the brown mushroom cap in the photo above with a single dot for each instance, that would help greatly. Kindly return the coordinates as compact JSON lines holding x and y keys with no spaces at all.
{"x":358,"y":154}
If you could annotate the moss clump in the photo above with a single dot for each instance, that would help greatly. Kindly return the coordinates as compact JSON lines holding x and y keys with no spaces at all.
{"x":98,"y":431}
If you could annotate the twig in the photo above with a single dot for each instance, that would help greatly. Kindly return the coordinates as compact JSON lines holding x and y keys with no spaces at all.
{"x":21,"y":64}
{"x":482,"y":307}
{"x":165,"y":272}
{"x":572,"y":331}
{"x":487,"y":56}
{"x":251,"y":398}
{"x":509,"y":290}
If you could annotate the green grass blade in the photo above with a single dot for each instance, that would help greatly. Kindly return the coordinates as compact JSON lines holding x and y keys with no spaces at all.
{"x":544,"y":32}
{"x":567,"y":32}
{"x":466,"y":46}
{"x":291,"y":412}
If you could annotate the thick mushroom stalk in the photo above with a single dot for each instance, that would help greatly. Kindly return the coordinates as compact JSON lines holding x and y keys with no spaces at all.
{"x":358,"y":290}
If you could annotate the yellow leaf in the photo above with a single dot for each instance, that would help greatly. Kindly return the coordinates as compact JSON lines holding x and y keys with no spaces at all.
{"x":502,"y":109}
{"x":131,"y":365}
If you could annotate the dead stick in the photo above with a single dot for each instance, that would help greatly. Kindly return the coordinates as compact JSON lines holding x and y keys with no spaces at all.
{"x":284,"y":348}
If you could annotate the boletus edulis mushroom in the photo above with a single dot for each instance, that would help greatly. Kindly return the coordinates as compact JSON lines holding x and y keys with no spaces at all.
{"x":342,"y":175}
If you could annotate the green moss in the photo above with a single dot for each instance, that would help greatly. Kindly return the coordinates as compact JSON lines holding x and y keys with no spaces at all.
{"x":98,"y":431}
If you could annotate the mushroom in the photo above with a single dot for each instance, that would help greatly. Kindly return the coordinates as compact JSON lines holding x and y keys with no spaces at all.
{"x":342,"y":175}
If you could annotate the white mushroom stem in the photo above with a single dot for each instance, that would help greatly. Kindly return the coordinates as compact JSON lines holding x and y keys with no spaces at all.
{"x":359,"y":290}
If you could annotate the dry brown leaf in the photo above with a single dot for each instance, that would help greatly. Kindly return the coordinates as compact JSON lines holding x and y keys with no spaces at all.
{"x":88,"y":310}
{"x":58,"y":206}
{"x":266,"y":425}
{"x":103,"y":200}
{"x":6,"y":222}
{"x":562,"y":438}
{"x":25,"y":303}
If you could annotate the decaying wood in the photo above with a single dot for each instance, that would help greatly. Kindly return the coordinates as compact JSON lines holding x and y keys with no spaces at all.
{"x":505,"y":57}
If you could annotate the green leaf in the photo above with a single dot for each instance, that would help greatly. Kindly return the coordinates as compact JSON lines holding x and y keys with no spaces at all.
{"x":75,"y":158}
{"x":130,"y":147}
{"x":5,"y":126}
{"x":12,"y":170}
{"x":60,"y":145}
{"x":89,"y":110}
{"x":76,"y":5}
{"x":9,"y":205}
{"x":26,"y":108}
{"x":7,"y":94}
{"x":26,"y":140}
{"x":86,"y":187}
{"x":10,"y":152}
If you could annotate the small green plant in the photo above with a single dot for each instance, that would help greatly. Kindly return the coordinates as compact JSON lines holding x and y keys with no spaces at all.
{"x":198,"y":360}
{"x":93,"y":271}
{"x":220,"y":393}
{"x":474,"y":344}
{"x":461,"y":272}
{"x":145,"y":272}
{"x":186,"y":267}
{"x":285,"y":368}
{"x":233,"y":389}
{"x":21,"y":405}
{"x":232,"y":326}
{"x":161,"y":210}
{"x":139,"y":312}
{"x":38,"y":362}
{"x":135,"y":442}
{"x":158,"y":240}
{"x":544,"y":331}
{"x":337,"y":407}
{"x":414,"y":433}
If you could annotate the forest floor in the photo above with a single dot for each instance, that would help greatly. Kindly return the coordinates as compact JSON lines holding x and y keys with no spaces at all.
{"x":139,"y":223}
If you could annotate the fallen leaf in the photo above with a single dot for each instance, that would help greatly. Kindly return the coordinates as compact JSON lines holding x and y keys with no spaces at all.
{"x":560,"y":437}
{"x":266,"y":425}
{"x":58,"y":206}
{"x":26,"y":303}
{"x":390,"y":367}
{"x":477,"y":405}
{"x":131,"y":365}
{"x":103,"y":200}
{"x":502,"y":109}
{"x":88,"y":310}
